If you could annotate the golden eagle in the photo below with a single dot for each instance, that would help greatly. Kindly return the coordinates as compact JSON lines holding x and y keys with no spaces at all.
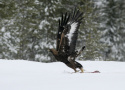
{"x":66,"y":39}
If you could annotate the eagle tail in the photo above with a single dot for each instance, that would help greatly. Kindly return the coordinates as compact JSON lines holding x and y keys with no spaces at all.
{"x":80,"y":51}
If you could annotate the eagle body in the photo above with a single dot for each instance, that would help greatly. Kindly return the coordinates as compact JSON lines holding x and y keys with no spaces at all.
{"x":66,"y":40}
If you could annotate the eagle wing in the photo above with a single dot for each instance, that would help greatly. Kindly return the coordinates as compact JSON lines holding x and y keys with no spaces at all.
{"x":68,"y":32}
{"x":62,"y":24}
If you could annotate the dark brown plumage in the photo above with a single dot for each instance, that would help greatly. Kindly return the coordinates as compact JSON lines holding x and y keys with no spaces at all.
{"x":66,"y":40}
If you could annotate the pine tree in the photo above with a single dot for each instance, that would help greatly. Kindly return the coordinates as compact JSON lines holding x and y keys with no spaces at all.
{"x":120,"y":25}
{"x":32,"y":25}
{"x":89,"y":33}
{"x":111,"y":25}
{"x":7,"y":47}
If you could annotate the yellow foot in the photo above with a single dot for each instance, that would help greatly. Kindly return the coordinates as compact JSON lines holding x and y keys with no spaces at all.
{"x":82,"y":70}
{"x":76,"y":71}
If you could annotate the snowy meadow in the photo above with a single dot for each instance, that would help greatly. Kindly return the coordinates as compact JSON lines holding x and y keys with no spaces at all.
{"x":28,"y":75}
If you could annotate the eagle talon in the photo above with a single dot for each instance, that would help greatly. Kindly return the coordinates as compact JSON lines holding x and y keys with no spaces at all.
{"x":76,"y":71}
{"x":82,"y":70}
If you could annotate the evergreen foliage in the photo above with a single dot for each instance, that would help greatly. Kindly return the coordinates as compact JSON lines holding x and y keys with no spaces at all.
{"x":112,"y":25}
{"x":28,"y":28}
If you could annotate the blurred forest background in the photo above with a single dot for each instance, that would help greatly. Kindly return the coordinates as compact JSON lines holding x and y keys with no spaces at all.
{"x":28,"y":28}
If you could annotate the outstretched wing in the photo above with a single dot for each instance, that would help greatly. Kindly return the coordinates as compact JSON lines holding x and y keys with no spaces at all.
{"x":74,"y":22}
{"x":62,"y":24}
{"x":68,"y":32}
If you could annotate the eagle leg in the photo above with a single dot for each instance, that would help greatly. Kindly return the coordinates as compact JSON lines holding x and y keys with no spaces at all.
{"x":73,"y":66}
{"x":71,"y":60}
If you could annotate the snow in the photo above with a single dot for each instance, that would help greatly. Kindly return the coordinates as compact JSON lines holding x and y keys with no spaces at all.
{"x":43,"y":23}
{"x":99,"y":3}
{"x":28,"y":75}
{"x":3,"y":29}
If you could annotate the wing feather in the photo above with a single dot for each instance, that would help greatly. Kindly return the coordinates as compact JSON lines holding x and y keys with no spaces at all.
{"x":68,"y":32}
{"x":62,"y":24}
{"x":73,"y":32}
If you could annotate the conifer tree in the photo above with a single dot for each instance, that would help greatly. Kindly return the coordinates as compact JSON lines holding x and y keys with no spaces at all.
{"x":89,"y":33}
{"x":112,"y":21}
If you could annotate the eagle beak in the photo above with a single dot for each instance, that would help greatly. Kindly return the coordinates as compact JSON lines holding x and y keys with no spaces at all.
{"x":82,"y":70}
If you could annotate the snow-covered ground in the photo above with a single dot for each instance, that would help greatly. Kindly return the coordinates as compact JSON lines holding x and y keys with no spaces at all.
{"x":27,"y":75}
